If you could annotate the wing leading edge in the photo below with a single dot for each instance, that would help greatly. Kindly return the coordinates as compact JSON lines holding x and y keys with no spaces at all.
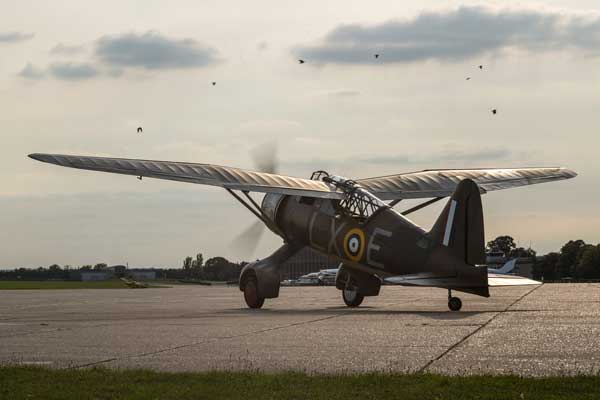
{"x":205,"y":174}
{"x":442,"y":183}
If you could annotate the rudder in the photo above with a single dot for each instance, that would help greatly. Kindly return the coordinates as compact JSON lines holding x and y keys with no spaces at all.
{"x":460,"y":225}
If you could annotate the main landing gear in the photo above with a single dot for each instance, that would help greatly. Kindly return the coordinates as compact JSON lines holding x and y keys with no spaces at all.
{"x":454,"y":303}
{"x":251,"y":294}
{"x":352,"y":297}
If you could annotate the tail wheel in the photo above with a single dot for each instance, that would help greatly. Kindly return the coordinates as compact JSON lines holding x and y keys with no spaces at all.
{"x":251,"y":294}
{"x":352,"y":298}
{"x":454,"y":304}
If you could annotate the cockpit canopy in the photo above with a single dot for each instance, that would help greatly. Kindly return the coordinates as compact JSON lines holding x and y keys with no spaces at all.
{"x":357,"y":202}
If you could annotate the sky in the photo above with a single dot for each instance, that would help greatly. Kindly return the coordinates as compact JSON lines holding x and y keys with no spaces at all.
{"x":80,"y":77}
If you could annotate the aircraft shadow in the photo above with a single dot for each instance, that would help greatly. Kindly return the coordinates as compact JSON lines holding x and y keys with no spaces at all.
{"x":342,"y":310}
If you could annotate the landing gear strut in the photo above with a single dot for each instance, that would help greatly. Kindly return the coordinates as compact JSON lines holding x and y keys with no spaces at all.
{"x":454,"y":303}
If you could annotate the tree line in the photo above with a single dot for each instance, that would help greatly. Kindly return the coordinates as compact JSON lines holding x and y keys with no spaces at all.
{"x":576,"y":259}
{"x":214,"y":269}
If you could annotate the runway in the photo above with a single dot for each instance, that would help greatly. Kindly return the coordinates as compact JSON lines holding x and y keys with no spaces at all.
{"x":543,"y":330}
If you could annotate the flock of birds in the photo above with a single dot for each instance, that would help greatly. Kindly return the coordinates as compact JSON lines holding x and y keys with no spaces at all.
{"x":301,"y":61}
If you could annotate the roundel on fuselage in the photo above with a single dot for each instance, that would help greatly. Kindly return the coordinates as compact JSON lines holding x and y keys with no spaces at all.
{"x":354,"y":244}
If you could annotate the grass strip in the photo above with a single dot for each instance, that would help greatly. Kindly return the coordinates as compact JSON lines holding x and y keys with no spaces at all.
{"x":28,"y":382}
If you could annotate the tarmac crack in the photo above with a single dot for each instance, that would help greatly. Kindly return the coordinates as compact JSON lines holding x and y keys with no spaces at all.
{"x":207,"y":340}
{"x":468,"y":336}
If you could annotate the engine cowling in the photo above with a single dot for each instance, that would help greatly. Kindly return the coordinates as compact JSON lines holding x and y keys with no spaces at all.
{"x":270,"y":207}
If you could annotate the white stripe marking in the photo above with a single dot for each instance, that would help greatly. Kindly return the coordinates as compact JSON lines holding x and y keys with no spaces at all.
{"x":449,"y":222}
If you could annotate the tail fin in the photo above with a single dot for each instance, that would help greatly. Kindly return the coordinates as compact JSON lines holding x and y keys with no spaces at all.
{"x":460,"y":225}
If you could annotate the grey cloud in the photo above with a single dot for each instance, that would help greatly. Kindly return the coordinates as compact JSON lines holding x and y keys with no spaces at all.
{"x":344,"y":93}
{"x":456,"y":35}
{"x":14,"y":37}
{"x":67,"y":50}
{"x":153,"y":51}
{"x":73,"y":71}
{"x":30,"y":71}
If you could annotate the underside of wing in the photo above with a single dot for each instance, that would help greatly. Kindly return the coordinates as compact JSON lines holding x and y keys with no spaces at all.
{"x":205,"y":174}
{"x":442,"y":183}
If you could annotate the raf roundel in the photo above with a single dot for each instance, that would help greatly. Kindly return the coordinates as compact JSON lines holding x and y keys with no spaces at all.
{"x":354,"y":244}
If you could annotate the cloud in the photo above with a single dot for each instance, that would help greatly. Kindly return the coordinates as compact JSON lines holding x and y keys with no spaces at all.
{"x":261,"y":46}
{"x":343,"y":93}
{"x":448,"y":155}
{"x":152,"y":51}
{"x":73,"y":71}
{"x":30,"y":71}
{"x":66,"y":50}
{"x":456,"y":35}
{"x":14,"y":37}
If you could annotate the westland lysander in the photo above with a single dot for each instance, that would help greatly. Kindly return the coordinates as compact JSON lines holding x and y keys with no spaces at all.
{"x":349,"y":220}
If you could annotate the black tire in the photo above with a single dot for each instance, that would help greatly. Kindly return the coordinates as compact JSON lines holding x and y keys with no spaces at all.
{"x":251,"y":294}
{"x":352,"y":298}
{"x":454,"y":304}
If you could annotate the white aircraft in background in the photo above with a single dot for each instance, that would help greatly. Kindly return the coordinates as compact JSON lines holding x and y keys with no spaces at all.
{"x":505,"y":269}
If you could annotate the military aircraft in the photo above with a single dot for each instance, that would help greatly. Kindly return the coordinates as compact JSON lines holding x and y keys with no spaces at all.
{"x":350,"y":221}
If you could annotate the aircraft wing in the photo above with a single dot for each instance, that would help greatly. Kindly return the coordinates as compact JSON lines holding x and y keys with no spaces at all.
{"x":205,"y":174}
{"x":442,"y":183}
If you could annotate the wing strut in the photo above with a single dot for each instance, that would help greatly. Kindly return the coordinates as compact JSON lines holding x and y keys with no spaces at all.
{"x":259,"y":214}
{"x":422,"y":205}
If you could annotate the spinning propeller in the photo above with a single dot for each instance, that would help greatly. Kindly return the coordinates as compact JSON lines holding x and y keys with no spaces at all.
{"x":265,"y":159}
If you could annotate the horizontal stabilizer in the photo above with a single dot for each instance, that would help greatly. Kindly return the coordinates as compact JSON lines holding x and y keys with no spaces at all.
{"x":455,"y":283}
{"x":510,"y":280}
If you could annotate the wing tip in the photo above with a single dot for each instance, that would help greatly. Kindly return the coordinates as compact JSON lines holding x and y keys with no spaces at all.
{"x":37,"y":156}
{"x":569,"y":173}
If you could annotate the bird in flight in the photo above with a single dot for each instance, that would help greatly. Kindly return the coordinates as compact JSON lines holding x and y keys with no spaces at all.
{"x":376,"y":55}
{"x":468,"y":78}
{"x":481,"y":67}
{"x":494,"y":111}
{"x":301,"y":61}
{"x":214,"y":83}
{"x":139,"y":129}
{"x":139,"y":177}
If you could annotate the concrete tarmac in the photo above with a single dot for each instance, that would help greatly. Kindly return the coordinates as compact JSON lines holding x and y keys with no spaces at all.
{"x":542,"y":330}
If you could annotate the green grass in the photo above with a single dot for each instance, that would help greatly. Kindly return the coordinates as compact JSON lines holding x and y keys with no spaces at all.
{"x":34,"y":285}
{"x":43,"y":383}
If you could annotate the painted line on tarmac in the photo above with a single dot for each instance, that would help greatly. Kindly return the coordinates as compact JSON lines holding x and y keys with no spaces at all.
{"x":207,"y":340}
{"x":464,"y":339}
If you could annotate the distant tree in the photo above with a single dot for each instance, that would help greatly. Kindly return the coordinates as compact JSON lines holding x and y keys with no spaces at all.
{"x":187,"y":266}
{"x":197,"y":265}
{"x":588,"y":264}
{"x":100,"y":266}
{"x":220,"y":269}
{"x":569,"y":254}
{"x":521,"y":252}
{"x":85,"y":268}
{"x":54,"y":268}
{"x":546,"y":269}
{"x":505,"y":244}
